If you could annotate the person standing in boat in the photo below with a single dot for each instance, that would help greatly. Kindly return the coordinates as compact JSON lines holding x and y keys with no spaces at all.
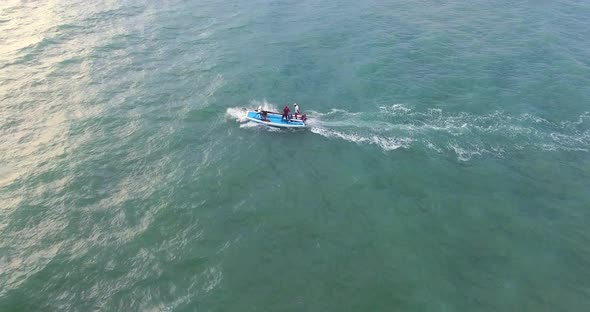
{"x":286,"y":112}
{"x":296,"y":110}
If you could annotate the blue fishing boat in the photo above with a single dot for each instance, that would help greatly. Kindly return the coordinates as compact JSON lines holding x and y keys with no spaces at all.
{"x":274,"y":119}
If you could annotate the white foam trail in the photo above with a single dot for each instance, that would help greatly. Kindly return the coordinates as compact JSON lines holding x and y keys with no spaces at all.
{"x":334,"y":112}
{"x":386,"y":143}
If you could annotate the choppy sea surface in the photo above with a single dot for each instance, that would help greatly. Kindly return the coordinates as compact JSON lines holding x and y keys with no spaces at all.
{"x":446,"y":167}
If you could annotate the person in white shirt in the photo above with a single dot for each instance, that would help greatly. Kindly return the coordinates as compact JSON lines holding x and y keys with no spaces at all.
{"x":296,"y":110}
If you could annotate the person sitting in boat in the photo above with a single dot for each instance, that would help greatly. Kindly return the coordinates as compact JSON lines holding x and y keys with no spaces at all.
{"x":286,"y":112}
{"x":262,"y":113}
{"x":296,"y":110}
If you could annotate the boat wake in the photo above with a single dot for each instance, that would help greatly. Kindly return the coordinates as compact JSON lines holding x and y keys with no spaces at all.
{"x":386,"y":143}
{"x":463,"y":134}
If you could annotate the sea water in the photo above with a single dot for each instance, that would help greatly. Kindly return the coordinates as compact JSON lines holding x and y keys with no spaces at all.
{"x":446,"y":166}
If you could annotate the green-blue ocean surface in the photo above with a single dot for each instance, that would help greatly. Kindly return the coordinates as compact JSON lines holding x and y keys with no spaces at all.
{"x":446,"y":166}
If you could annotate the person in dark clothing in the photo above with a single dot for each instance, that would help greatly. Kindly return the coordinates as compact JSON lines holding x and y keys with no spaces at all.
{"x":262,"y":113}
{"x":286,"y":112}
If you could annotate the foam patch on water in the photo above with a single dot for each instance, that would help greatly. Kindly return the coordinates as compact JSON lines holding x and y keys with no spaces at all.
{"x":247,"y":125}
{"x":395,"y":109}
{"x":466,"y":153}
{"x":212,"y":278}
{"x":238,"y":114}
{"x":434,"y":147}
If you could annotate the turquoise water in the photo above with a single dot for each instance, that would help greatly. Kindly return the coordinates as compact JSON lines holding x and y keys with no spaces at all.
{"x":446,"y":168}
